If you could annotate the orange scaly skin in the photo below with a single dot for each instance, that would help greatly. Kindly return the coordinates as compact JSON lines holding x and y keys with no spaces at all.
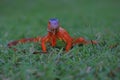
{"x":54,"y":33}
{"x":62,"y":34}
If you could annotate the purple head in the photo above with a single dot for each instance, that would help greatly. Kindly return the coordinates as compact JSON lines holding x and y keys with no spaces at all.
{"x":54,"y":23}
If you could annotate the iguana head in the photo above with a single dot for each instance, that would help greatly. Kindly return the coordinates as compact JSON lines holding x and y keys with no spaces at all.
{"x":53,"y":25}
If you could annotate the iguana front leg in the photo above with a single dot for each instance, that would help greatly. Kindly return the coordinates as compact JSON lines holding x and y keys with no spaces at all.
{"x":66,"y":38}
{"x":44,"y":40}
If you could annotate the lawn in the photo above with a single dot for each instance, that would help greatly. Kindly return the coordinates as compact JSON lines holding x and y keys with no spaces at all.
{"x":91,"y":19}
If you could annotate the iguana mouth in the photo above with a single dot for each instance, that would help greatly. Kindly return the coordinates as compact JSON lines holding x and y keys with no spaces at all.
{"x":54,"y":31}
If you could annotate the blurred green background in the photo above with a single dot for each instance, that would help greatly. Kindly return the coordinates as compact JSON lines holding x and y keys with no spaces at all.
{"x":30,"y":18}
{"x":92,"y":19}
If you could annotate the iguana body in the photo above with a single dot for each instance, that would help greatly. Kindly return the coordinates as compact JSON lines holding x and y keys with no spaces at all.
{"x":55,"y":32}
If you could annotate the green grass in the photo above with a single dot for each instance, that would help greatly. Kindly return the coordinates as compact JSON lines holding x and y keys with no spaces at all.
{"x":92,"y":19}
